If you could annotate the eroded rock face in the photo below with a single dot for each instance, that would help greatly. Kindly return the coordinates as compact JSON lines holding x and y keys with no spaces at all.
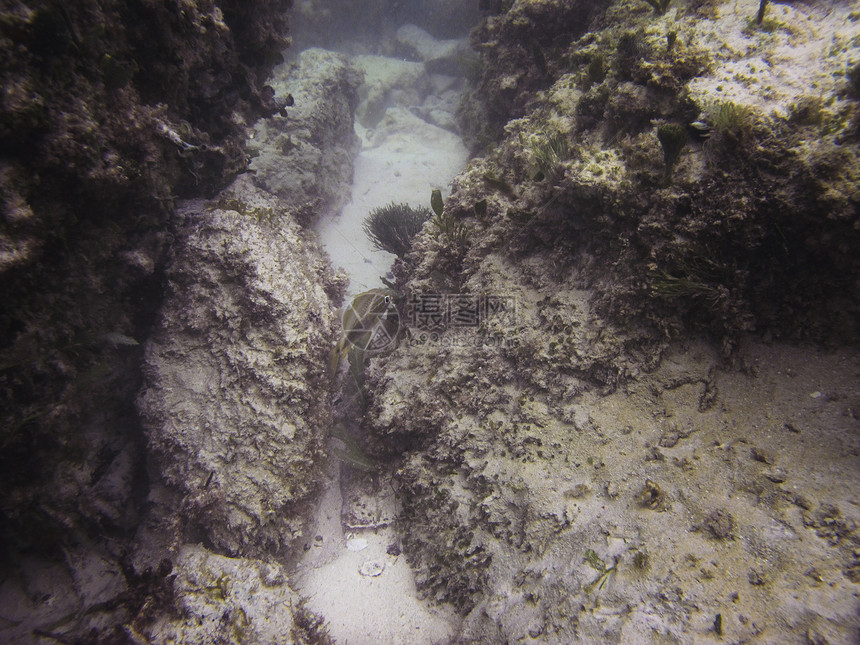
{"x":224,"y":599}
{"x":439,"y":56}
{"x":110,"y":111}
{"x":518,"y":45}
{"x":306,"y":156}
{"x":235,"y":401}
{"x":572,"y":473}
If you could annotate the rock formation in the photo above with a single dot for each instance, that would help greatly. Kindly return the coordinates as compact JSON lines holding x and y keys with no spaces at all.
{"x":582,"y":408}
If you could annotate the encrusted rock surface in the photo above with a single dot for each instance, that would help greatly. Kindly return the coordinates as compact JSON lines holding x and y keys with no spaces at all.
{"x":110,"y":110}
{"x":553,"y":514}
{"x":306,"y":155}
{"x":234,"y":600}
{"x":235,"y":399}
{"x":388,"y":80}
{"x":438,"y":56}
{"x":612,"y":456}
{"x":109,"y":106}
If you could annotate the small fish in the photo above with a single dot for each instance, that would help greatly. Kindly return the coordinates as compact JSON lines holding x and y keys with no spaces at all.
{"x":116,"y":339}
{"x":370,"y":323}
{"x":700,"y":130}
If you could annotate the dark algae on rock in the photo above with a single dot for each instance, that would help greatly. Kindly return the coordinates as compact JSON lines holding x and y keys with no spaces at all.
{"x":669,"y":206}
{"x":622,"y":404}
{"x":111,"y":112}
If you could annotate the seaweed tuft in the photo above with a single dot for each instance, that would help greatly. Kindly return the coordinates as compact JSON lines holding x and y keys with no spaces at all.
{"x":659,"y":6}
{"x":392,"y":227}
{"x":673,"y":138}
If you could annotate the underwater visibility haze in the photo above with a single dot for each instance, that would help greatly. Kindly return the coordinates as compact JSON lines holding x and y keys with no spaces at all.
{"x":430,"y":321}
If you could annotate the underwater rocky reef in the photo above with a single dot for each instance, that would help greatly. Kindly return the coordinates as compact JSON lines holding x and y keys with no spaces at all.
{"x":664,"y":198}
{"x":623,"y":402}
{"x":113,"y":112}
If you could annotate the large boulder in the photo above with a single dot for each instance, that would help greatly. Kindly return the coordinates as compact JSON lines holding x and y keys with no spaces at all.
{"x":235,"y":404}
{"x":110,"y":111}
{"x":388,"y":81}
{"x":589,"y":444}
{"x":439,"y":56}
{"x":306,"y":155}
{"x":228,"y":600}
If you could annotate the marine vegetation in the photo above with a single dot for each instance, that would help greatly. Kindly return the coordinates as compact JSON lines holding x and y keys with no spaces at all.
{"x":673,"y":138}
{"x":548,"y":154}
{"x":604,"y":571}
{"x":853,"y":76}
{"x":729,"y":117}
{"x":436,"y":202}
{"x":666,"y":285}
{"x":392,"y":227}
{"x":660,"y":6}
{"x":351,"y":453}
{"x":447,"y":226}
{"x":371,"y":323}
{"x":760,"y":17}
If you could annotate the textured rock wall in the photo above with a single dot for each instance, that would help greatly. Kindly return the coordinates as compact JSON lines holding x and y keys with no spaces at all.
{"x":235,"y":404}
{"x":518,"y":43}
{"x":306,"y":156}
{"x":574,"y":472}
{"x":226,"y":600}
{"x":762,"y":199}
{"x":109,"y":111}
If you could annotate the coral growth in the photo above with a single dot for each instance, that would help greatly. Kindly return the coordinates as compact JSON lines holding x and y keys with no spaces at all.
{"x":557,"y":465}
{"x":392,"y":227}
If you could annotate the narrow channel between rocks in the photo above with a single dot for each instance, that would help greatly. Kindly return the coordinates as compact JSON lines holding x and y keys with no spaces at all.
{"x":353,"y":572}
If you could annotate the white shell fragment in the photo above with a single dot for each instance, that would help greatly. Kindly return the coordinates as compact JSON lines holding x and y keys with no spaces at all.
{"x":372,"y":568}
{"x":356,"y":544}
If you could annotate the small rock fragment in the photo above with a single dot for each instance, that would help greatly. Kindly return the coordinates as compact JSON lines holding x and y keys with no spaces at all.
{"x":372,"y":568}
{"x":577,"y":492}
{"x":669,"y":440}
{"x":719,"y":524}
{"x":271,"y":575}
{"x":650,"y":496}
{"x":776,"y":475}
{"x":356,"y":544}
{"x":755,"y":577}
{"x":761,"y":455}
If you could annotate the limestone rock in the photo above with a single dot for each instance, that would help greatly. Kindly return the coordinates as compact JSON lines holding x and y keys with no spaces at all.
{"x":235,"y":400}
{"x":228,"y":600}
{"x":439,"y":56}
{"x":306,"y":156}
{"x":388,"y":81}
{"x":558,"y":465}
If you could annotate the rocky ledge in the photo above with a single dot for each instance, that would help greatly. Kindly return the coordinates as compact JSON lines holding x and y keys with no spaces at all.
{"x":600,"y":435}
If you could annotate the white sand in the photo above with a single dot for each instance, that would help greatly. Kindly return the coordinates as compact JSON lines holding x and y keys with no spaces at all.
{"x":365,"y":609}
{"x":402,"y":160}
